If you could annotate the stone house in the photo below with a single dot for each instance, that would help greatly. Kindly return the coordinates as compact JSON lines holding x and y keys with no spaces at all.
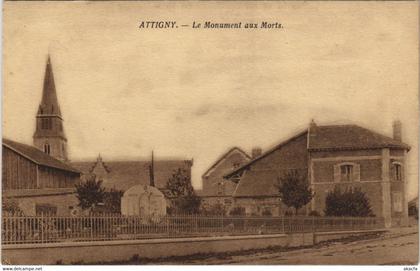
{"x":217,"y":190}
{"x":331,"y":156}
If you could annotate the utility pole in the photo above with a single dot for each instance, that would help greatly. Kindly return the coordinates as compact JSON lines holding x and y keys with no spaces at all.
{"x":152,"y":172}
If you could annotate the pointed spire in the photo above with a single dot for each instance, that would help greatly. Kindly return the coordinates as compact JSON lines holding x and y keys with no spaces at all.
{"x":49,"y":104}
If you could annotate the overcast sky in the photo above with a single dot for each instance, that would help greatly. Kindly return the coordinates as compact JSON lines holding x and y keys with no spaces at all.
{"x":192,"y":93}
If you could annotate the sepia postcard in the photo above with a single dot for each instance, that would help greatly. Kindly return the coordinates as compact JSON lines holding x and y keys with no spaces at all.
{"x":210,"y":133}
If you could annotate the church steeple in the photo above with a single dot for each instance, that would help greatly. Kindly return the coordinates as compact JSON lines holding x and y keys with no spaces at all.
{"x":49,"y":104}
{"x":49,"y":135}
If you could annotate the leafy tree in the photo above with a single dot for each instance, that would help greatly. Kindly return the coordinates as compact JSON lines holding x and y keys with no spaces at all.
{"x":352,"y":202}
{"x":112,"y":200}
{"x":90,"y":192}
{"x":180,"y":189}
{"x":294,"y":190}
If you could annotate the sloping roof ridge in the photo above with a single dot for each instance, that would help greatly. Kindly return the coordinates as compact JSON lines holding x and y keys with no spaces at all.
{"x":395,"y":142}
{"x":8,"y":145}
{"x":223,"y":157}
{"x":278,"y":146}
{"x":384,"y":136}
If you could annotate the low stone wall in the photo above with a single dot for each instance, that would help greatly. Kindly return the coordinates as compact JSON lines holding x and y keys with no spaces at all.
{"x":105,"y":251}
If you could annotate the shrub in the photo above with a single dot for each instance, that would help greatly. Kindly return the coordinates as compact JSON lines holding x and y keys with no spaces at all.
{"x":217,"y":209}
{"x":352,"y":202}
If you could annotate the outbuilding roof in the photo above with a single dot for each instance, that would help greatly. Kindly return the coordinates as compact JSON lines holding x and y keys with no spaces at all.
{"x":37,"y":156}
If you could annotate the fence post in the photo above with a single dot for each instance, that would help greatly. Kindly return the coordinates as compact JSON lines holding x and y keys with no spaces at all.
{"x":42,"y":227}
{"x":167,"y":224}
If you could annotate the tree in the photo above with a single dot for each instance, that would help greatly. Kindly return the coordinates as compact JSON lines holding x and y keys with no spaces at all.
{"x":10,"y":206}
{"x":112,"y":200}
{"x":180,"y":189}
{"x":294,"y":190}
{"x":352,"y":202}
{"x":90,"y":192}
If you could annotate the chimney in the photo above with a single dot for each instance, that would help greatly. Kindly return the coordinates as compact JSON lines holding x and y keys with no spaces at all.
{"x":312,"y":128}
{"x":396,"y":129}
{"x":257,"y":151}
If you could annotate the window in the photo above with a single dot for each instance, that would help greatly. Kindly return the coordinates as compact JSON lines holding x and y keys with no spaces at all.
{"x":397,"y":171}
{"x":46,"y":124}
{"x":397,"y":202}
{"x":236,"y":165}
{"x":47,"y":148}
{"x":346,"y":173}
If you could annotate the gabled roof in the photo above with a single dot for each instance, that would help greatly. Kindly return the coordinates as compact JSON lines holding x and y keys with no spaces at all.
{"x":122,"y":175}
{"x":241,"y":168}
{"x":37,"y":156}
{"x":218,"y":161}
{"x":349,"y":137}
{"x":335,"y":137}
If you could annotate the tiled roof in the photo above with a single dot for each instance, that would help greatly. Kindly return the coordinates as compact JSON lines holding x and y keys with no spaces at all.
{"x":122,"y":175}
{"x":336,"y":137}
{"x":348,"y":137}
{"x":258,"y":183}
{"x":37,"y":156}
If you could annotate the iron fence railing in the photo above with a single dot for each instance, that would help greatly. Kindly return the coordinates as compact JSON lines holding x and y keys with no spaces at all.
{"x":48,"y":229}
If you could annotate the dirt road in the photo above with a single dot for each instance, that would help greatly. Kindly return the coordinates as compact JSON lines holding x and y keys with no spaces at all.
{"x":396,"y":247}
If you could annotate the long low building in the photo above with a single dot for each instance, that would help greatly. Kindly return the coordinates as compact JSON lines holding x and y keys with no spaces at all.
{"x":36,"y":182}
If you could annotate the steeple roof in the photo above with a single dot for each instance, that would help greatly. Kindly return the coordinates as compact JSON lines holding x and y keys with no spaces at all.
{"x":49,"y":104}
